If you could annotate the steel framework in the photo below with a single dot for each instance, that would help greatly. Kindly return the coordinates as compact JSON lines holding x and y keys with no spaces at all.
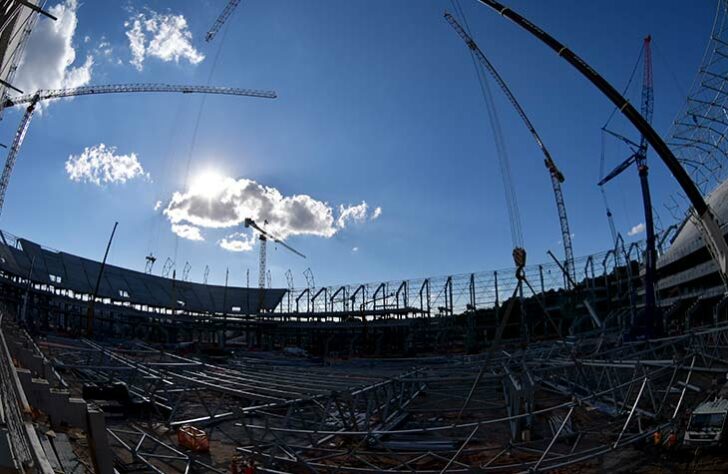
{"x":542,"y":407}
{"x":698,"y":133}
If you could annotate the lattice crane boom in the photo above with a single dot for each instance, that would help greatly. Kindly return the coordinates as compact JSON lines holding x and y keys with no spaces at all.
{"x":221,"y":19}
{"x":648,"y":99}
{"x":14,"y":148}
{"x":650,"y":322}
{"x":651,"y":318}
{"x":136,"y":88}
{"x":556,"y":176}
{"x":33,"y":99}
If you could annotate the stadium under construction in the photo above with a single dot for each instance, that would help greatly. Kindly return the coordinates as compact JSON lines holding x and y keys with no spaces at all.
{"x":596,"y":363}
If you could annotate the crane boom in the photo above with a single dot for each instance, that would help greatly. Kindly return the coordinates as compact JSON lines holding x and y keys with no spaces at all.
{"x":33,"y":99}
{"x":651,"y":321}
{"x":125,"y":88}
{"x":221,"y":19}
{"x":13,"y":152}
{"x":556,"y":176}
{"x":251,"y":223}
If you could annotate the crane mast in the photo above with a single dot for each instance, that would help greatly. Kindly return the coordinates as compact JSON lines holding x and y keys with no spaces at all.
{"x":649,"y":323}
{"x":556,"y":176}
{"x":263,"y":237}
{"x":651,"y":319}
{"x":262,"y":260}
{"x":33,"y":99}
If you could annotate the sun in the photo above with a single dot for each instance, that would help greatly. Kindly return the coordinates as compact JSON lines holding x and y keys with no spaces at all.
{"x":207,"y":184}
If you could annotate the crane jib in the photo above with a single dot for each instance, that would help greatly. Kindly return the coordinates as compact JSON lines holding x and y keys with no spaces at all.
{"x":136,"y":88}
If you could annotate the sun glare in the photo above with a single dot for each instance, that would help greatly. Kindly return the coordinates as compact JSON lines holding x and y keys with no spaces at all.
{"x":207,"y":184}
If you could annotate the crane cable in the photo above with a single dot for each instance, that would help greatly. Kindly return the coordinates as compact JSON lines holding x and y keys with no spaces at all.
{"x":602,"y":159}
{"x":514,"y":218}
{"x":196,"y":128}
{"x":163,"y":190}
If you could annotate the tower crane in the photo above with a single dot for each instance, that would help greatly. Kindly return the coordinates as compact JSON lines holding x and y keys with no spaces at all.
{"x":556,"y":176}
{"x":33,"y":99}
{"x":639,"y":157}
{"x":221,"y":19}
{"x":263,"y":237}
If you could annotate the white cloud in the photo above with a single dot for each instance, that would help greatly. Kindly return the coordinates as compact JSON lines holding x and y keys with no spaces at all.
{"x":100,"y":164}
{"x":49,"y":55}
{"x":238,"y":242}
{"x":638,"y":229}
{"x":136,"y":43}
{"x":355,"y":249}
{"x":223,"y":202}
{"x":157,"y":205}
{"x":161,"y":35}
{"x":104,"y":49}
{"x":356,"y":213}
{"x":189,"y":232}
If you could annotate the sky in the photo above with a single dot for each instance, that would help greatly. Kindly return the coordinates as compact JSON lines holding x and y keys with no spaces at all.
{"x":376,"y":160}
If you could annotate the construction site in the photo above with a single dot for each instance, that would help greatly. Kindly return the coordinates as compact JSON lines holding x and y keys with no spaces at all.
{"x":615,"y":361}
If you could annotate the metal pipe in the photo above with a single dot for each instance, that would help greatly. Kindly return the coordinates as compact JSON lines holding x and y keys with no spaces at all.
{"x":90,"y":314}
{"x":631,"y":412}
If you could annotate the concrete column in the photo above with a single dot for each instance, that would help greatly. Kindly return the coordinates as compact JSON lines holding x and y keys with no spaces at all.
{"x":38,"y":393}
{"x":101,"y":455}
{"x":75,"y":413}
{"x":57,"y":407}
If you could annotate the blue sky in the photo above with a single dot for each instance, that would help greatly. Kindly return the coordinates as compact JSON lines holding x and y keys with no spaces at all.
{"x":378,"y":102}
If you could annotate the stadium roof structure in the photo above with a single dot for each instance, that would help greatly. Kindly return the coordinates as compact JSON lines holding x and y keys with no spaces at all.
{"x":70,"y":272}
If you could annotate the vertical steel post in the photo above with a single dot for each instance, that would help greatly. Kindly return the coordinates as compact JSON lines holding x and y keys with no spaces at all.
{"x":90,"y":313}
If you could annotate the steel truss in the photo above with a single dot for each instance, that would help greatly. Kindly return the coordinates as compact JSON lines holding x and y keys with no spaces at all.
{"x":155,"y":454}
{"x":698,"y":133}
{"x":544,"y":406}
{"x":538,"y":408}
{"x":184,"y":390}
{"x":448,"y":295}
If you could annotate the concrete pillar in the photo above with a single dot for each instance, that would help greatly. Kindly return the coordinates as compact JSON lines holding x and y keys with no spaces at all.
{"x":38,"y":395}
{"x":25,"y":377}
{"x":76,"y":413}
{"x":101,"y":455}
{"x":57,"y":407}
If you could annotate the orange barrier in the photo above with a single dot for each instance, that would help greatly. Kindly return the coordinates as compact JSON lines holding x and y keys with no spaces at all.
{"x":193,"y":438}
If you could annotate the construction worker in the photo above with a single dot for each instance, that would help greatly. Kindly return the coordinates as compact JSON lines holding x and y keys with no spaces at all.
{"x":657,"y":438}
{"x":671,"y":440}
{"x":250,"y":468}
